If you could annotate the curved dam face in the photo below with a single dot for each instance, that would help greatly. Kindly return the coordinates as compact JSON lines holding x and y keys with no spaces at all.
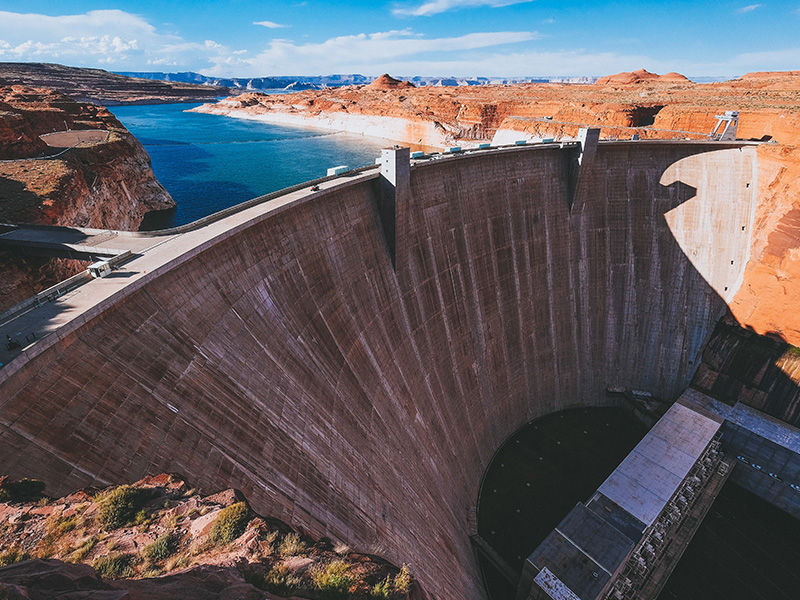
{"x":289,"y":358}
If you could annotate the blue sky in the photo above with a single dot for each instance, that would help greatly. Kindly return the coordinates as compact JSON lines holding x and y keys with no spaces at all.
{"x":508,"y":38}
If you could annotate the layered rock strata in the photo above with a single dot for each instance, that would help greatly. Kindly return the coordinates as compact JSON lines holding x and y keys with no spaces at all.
{"x":101,"y":184}
{"x":103,"y":87}
{"x":657,"y":107}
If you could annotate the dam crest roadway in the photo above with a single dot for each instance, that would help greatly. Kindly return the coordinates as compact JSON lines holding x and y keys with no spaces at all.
{"x":351,"y":357}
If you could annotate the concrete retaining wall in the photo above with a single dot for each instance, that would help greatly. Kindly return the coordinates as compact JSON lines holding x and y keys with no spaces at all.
{"x":292,"y":361}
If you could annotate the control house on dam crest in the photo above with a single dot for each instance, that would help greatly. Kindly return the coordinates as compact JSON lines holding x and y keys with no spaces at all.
{"x":352,"y":356}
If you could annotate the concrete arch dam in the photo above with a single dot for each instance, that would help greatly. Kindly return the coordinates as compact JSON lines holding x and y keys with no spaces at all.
{"x":282,"y":352}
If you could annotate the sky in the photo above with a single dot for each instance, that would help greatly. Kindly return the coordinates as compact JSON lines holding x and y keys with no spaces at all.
{"x":460,"y":38}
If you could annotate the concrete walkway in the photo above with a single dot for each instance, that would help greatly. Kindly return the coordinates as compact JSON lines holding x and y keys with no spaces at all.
{"x":72,"y":242}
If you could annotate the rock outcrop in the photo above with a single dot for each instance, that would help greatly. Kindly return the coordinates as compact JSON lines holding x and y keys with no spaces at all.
{"x":666,"y":106}
{"x":387,"y":82}
{"x":103,"y":87}
{"x":105,"y":184}
{"x":175,"y":544}
{"x":766,"y":300}
{"x":642,"y":76}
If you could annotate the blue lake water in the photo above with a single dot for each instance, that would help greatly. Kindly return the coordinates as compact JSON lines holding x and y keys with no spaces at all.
{"x":210,"y":162}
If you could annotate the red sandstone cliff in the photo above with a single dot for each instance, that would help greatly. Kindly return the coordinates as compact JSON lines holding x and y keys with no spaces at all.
{"x":666,"y":106}
{"x":103,"y":184}
{"x":767,"y":299}
{"x":104,"y":87}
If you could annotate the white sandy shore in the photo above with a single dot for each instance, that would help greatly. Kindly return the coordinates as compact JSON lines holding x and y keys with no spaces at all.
{"x":424,"y":133}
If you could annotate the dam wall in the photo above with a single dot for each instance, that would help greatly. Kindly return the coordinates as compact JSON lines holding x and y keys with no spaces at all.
{"x":354,"y":398}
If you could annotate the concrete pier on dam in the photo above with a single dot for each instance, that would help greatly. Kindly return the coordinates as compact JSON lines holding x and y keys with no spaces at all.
{"x":283,"y":352}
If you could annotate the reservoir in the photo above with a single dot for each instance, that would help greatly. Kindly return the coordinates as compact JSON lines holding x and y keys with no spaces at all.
{"x":210,"y":162}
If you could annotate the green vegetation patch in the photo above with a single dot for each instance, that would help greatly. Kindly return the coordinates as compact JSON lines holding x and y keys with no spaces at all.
{"x":230,"y":524}
{"x":165,"y":546}
{"x":291,"y":545}
{"x":121,"y":506}
{"x":333,"y":580}
{"x":113,"y":566}
{"x":12,"y":555}
{"x":83,"y":549}
{"x":393,"y":588}
{"x":793,"y":351}
{"x":279,"y":580}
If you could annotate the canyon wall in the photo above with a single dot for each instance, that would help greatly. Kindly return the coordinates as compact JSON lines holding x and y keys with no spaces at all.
{"x":353,"y":398}
{"x":664,"y":107}
{"x":767,"y":300}
{"x":107,"y":184}
{"x":104,"y":87}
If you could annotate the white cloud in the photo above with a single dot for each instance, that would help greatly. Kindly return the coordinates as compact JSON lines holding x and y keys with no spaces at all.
{"x":434,"y":7}
{"x":523,"y":64}
{"x":749,"y":8}
{"x":363,"y":52}
{"x":786,"y":59}
{"x":269,"y":24}
{"x":99,"y":37}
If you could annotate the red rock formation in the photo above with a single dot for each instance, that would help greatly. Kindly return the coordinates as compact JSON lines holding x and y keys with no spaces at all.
{"x":103,"y":87}
{"x":108,"y":184}
{"x":387,"y":82}
{"x":627,"y":77}
{"x":770,"y":74}
{"x":57,"y":542}
{"x":767,"y":299}
{"x":641,"y":76}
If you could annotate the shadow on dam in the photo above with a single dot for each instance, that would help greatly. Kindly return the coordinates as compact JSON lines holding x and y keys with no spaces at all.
{"x":362,"y":401}
{"x":539,"y":474}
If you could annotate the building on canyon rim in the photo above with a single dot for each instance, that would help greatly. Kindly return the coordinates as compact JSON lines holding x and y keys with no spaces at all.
{"x":351,"y":357}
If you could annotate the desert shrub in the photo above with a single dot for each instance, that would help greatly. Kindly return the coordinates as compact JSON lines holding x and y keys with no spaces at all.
{"x":113,"y":566}
{"x":165,"y":546}
{"x":230,"y":524}
{"x":393,"y":588}
{"x":177,"y":562}
{"x":402,"y":581}
{"x":333,"y":579}
{"x":121,"y":506}
{"x":278,"y":580}
{"x":291,"y":545}
{"x":12,"y":555}
{"x":21,"y":491}
{"x":267,"y":546}
{"x":79,"y":553}
{"x":58,"y":526}
{"x":383,"y":590}
{"x":171,"y":522}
